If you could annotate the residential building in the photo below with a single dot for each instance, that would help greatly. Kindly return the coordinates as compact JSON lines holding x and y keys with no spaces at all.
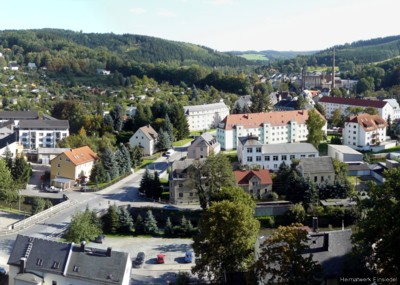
{"x":344,"y":153}
{"x":318,"y":169}
{"x":100,"y":71}
{"x":36,"y":261}
{"x":207,"y":116}
{"x":244,"y":100}
{"x":331,"y":104}
{"x":16,"y":116}
{"x":42,"y":133}
{"x":252,"y":152}
{"x":6,"y":128}
{"x":396,"y":109}
{"x":46,"y":154}
{"x":145,"y":137}
{"x":364,"y":131}
{"x":202,"y":146}
{"x":181,"y":189}
{"x":73,"y":165}
{"x":13,"y":65}
{"x":270,"y":128}
{"x":257,"y":183}
{"x":31,"y":66}
{"x":10,"y":142}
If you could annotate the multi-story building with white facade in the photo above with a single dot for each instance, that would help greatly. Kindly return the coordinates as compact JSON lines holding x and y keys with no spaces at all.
{"x":331,"y":104}
{"x":270,"y":156}
{"x":145,"y":137}
{"x":207,"y":116}
{"x":270,"y":128}
{"x":33,"y":134}
{"x":396,"y":108}
{"x":364,"y":131}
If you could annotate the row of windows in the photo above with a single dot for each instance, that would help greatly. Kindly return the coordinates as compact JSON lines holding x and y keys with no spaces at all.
{"x":276,"y":157}
{"x":191,"y":194}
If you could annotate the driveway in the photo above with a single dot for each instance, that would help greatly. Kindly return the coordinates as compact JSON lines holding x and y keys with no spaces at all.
{"x":37,"y":171}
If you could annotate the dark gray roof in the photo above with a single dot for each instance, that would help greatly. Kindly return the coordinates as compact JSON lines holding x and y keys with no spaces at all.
{"x":12,"y":138}
{"x":70,"y":260}
{"x":248,"y":141}
{"x":316,"y":164}
{"x":149,"y":132}
{"x":330,"y":250}
{"x":8,"y":123}
{"x":94,"y":264}
{"x":44,"y":124}
{"x":205,"y":139}
{"x":41,"y":254}
{"x":18,"y":115}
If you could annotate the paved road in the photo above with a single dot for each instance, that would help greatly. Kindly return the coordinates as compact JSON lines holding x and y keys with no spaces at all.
{"x":122,"y":193}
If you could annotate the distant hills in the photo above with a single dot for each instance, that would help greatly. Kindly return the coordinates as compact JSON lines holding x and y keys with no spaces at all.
{"x":270,"y":55}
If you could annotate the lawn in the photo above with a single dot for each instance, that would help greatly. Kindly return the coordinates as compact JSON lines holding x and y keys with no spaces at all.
{"x":254,"y":56}
{"x":182,"y":142}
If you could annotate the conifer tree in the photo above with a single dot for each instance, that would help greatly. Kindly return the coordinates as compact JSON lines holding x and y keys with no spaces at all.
{"x":168,"y":127}
{"x":109,"y":163}
{"x":139,"y":225}
{"x":125,"y":221}
{"x":169,"y":229}
{"x":150,"y":223}
{"x":111,"y":220}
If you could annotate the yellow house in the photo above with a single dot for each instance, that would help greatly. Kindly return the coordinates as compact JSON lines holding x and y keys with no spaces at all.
{"x":74,"y":165}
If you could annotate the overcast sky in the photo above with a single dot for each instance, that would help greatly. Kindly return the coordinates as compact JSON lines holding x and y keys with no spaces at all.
{"x":219,"y":24}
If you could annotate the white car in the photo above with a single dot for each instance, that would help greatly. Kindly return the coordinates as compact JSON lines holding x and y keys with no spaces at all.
{"x":169,"y":152}
{"x":53,"y":189}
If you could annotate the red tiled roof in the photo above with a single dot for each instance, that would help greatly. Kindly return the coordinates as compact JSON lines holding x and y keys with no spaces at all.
{"x":369,"y":122}
{"x":353,"y":102}
{"x":81,"y":155}
{"x":254,"y":120}
{"x":243,"y":176}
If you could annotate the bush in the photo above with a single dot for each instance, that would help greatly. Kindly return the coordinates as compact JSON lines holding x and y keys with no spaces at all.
{"x":267,"y":221}
{"x":165,"y":196}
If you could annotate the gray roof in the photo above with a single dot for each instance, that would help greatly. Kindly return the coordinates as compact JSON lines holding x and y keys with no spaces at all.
{"x":249,"y":141}
{"x":149,"y":132}
{"x":66,"y":258}
{"x":10,"y":139}
{"x":330,"y":250}
{"x":205,"y":107}
{"x":182,"y":164}
{"x":344,"y":149}
{"x":205,"y":139}
{"x":44,"y":124}
{"x":51,"y":150}
{"x":316,"y":164}
{"x":289,"y":148}
{"x":18,"y":115}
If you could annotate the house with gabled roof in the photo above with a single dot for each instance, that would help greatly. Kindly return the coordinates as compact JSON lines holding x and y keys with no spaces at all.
{"x":36,"y":261}
{"x":203,"y":146}
{"x":269,"y":128}
{"x":73,"y":165}
{"x":319,"y":170}
{"x":145,"y":137}
{"x":255,"y":182}
{"x":364,"y":131}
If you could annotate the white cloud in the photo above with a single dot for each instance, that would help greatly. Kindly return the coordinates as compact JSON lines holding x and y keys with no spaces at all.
{"x":221,"y":2}
{"x":166,"y":13}
{"x":137,"y":11}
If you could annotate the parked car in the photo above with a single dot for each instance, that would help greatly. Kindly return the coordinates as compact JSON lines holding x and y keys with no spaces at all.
{"x":138,"y":260}
{"x":169,"y":152}
{"x":160,"y":258}
{"x":99,"y":239}
{"x":189,"y":257}
{"x":2,"y":271}
{"x":53,"y":189}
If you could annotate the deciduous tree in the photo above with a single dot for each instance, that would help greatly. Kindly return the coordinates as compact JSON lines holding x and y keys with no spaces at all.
{"x":314,"y":124}
{"x":84,"y":226}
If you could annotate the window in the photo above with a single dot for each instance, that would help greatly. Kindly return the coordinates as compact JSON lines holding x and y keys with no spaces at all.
{"x":255,"y":183}
{"x":249,"y":150}
{"x":266,"y":158}
{"x":284,"y":157}
{"x":275,"y":166}
{"x":60,"y":158}
{"x":315,"y":178}
{"x":258,"y":158}
{"x":180,"y":195}
{"x":322,"y":178}
{"x":354,"y":132}
{"x":275,"y":158}
{"x":292,"y":156}
{"x":201,"y":149}
{"x":180,"y":185}
{"x":249,"y":159}
{"x":191,"y":194}
{"x":54,"y":282}
{"x":58,"y":165}
{"x":303,"y":155}
{"x":258,"y":149}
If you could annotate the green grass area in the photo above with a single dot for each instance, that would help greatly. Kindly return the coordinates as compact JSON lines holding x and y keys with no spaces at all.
{"x":254,"y":56}
{"x":144,"y":163}
{"x":393,"y":149}
{"x":182,"y":142}
{"x":232,"y":156}
{"x":195,"y":133}
{"x":321,"y":68}
{"x":323,"y":149}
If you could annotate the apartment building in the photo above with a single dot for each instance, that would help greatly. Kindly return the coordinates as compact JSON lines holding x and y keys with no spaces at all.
{"x":203,"y":146}
{"x":270,"y":128}
{"x":207,"y":116}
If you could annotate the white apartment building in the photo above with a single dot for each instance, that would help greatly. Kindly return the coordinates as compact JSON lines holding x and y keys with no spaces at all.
{"x":331,"y":104}
{"x":396,"y":108}
{"x":270,"y":156}
{"x":145,"y":137}
{"x":364,"y":131}
{"x":207,"y":116}
{"x":33,"y":134}
{"x":270,"y":128}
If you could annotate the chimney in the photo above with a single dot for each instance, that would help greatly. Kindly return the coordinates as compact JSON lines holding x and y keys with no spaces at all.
{"x":108,"y":253}
{"x":315,"y":224}
{"x":22,"y":265}
{"x":83,"y":243}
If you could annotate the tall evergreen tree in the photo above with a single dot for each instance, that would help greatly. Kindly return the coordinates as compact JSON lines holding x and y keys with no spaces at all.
{"x":111,"y":220}
{"x":125,"y":220}
{"x":168,"y":127}
{"x":150,"y":223}
{"x":98,"y":173}
{"x":164,"y":141}
{"x":146,"y":183}
{"x":117,"y":114}
{"x":179,"y":121}
{"x":21,"y":171}
{"x":169,"y":228}
{"x":8,"y":156}
{"x":136,"y":154}
{"x":108,"y":124}
{"x":140,"y":119}
{"x":139,"y":225}
{"x":109,"y":163}
{"x":156,"y":186}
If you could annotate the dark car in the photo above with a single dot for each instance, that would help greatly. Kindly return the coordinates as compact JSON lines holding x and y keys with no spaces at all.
{"x":139,"y":260}
{"x":189,"y":257}
{"x":99,"y":239}
{"x":2,"y":271}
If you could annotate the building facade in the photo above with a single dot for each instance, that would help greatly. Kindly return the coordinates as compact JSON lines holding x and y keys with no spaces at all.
{"x":257,"y":183}
{"x":35,"y":261}
{"x":203,"y":146}
{"x":364,"y":131}
{"x":207,"y":116}
{"x":74,"y":165}
{"x":269,"y":128}
{"x":252,"y":152}
{"x":344,"y":153}
{"x":317,"y":169}
{"x":42,"y":133}
{"x":331,"y":104}
{"x":145,"y":137}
